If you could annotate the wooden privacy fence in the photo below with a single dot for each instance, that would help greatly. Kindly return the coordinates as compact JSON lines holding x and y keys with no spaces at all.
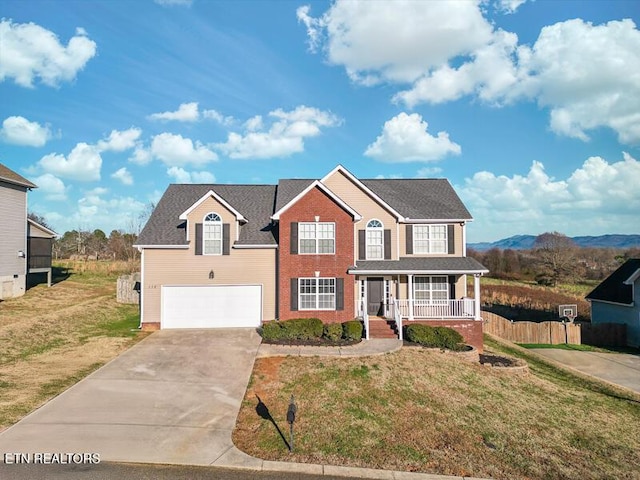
{"x":125,"y":291}
{"x":531,"y":332}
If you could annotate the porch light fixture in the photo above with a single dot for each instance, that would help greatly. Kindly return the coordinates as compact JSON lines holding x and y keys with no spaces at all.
{"x":317,"y":217}
{"x":317,"y":274}
{"x":21,"y":254}
{"x":211,"y":275}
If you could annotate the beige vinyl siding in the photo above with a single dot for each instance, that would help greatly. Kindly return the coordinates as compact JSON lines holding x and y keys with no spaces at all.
{"x":183,"y":267}
{"x":362,"y":203}
{"x":208,"y":206}
{"x":458,"y":246}
{"x":13,"y":238}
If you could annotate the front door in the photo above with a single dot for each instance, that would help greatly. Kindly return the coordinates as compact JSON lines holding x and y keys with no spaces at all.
{"x":375,"y":296}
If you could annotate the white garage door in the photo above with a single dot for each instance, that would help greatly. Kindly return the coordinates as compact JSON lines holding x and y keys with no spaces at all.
{"x":211,"y":306}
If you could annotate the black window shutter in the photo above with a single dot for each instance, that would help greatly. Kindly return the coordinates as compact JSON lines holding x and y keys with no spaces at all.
{"x":226,"y":234}
{"x":362,"y":245}
{"x":198,"y":239}
{"x":409,"y":239}
{"x":450,"y":238}
{"x":387,"y":244}
{"x":339,"y":293}
{"x":294,"y":294}
{"x":293,"y":236}
{"x":452,"y":287}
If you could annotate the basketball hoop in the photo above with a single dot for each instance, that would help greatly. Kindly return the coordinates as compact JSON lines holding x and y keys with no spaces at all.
{"x":570,"y":312}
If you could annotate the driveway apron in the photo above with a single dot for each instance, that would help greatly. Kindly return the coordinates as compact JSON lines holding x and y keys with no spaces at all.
{"x":172,"y":398}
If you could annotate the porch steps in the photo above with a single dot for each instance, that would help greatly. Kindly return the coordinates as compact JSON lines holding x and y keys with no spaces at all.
{"x":380,"y":327}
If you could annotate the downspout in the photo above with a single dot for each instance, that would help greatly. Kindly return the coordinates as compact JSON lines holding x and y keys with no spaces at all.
{"x":141,"y":293}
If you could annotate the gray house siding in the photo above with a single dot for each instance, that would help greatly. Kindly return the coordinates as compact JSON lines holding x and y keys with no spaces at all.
{"x":603,"y":312}
{"x":13,"y":239}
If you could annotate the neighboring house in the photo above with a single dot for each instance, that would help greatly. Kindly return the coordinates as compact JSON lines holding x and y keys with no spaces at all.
{"x":39,"y":250}
{"x":337,"y":248}
{"x":617,"y":300}
{"x":13,"y":233}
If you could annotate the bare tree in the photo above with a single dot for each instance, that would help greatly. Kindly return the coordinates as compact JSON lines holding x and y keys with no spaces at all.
{"x":555,"y":257}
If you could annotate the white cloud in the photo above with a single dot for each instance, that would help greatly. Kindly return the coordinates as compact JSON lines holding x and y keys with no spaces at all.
{"x":83,"y":163}
{"x":180,"y":175}
{"x":31,"y":52}
{"x":119,"y":141}
{"x":588,"y":75}
{"x":429,"y":172}
{"x":353,"y":36}
{"x":509,"y":6}
{"x":20,"y":131}
{"x":53,"y":188}
{"x":123,"y":175}
{"x":141,"y":155}
{"x":187,"y":112}
{"x":598,"y":196}
{"x":218,"y":117}
{"x":405,"y":138}
{"x":284,"y":137}
{"x":175,"y":150}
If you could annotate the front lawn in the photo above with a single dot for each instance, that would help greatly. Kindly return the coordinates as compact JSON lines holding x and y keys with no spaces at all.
{"x":423,"y":410}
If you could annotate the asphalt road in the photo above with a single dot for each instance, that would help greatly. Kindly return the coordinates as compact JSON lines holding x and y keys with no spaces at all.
{"x":119,"y":471}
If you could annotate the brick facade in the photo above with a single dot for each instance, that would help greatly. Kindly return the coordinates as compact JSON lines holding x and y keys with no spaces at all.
{"x":471,"y":330}
{"x":316,"y":203}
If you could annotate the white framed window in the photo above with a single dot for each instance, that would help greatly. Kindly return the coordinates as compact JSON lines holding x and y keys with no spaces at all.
{"x":316,"y":293}
{"x":429,"y":239}
{"x":316,"y":238}
{"x":432,"y":289}
{"x":212,"y":234}
{"x":374,"y":240}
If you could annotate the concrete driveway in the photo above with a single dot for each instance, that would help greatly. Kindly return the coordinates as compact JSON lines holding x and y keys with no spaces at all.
{"x":619,"y":368}
{"x":172,"y":398}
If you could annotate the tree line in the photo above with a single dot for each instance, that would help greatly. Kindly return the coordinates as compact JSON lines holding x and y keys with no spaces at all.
{"x":554,"y":258}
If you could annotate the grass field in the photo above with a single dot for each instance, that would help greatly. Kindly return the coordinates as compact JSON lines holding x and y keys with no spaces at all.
{"x":426,"y":411}
{"x":52,"y":337}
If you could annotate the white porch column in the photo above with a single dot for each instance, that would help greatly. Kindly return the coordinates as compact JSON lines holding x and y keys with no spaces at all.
{"x":410,"y":294}
{"x":476,"y":296}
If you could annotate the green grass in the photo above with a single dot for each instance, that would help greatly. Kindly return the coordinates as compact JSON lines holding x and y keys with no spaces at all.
{"x":564,"y":346}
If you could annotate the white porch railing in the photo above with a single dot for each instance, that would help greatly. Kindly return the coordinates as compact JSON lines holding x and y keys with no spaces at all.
{"x":365,"y":318}
{"x":397,"y":317}
{"x":463,"y":308}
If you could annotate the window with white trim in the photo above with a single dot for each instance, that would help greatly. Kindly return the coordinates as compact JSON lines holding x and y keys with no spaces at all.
{"x":212,"y":234}
{"x":375,"y":240}
{"x":432,"y":289}
{"x":316,"y":238}
{"x":429,"y":239}
{"x":317,"y":293}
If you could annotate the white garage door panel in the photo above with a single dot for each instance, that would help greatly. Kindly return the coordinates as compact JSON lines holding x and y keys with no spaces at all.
{"x":211,"y":306}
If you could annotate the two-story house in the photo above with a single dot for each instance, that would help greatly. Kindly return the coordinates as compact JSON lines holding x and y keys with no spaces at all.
{"x":335,"y":248}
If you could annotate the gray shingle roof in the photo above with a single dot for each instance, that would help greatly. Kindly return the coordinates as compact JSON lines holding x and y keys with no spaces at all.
{"x":613,"y":288}
{"x":254,"y":202}
{"x":423,"y":198}
{"x":418,"y":199}
{"x":9,"y":176}
{"x":420,"y":264}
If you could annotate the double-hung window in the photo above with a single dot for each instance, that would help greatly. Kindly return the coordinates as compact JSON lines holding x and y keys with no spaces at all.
{"x":431,"y":289}
{"x":317,"y":237}
{"x":429,"y":239}
{"x":212,"y":234}
{"x":317,"y":293}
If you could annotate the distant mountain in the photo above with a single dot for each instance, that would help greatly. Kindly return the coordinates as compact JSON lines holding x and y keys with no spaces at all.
{"x":525,"y":242}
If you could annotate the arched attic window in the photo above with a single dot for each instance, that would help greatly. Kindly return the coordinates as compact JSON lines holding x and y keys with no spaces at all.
{"x":212,"y":234}
{"x":375,"y":240}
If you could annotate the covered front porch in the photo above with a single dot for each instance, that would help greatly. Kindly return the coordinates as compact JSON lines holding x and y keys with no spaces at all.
{"x":417,"y":289}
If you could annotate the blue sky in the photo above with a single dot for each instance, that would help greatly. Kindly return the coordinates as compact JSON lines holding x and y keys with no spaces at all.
{"x":531,"y":109}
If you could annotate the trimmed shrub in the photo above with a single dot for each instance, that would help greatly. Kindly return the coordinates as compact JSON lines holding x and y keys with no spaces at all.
{"x":332,"y":331}
{"x":352,"y":330}
{"x":294,"y":329}
{"x":435,"y":337}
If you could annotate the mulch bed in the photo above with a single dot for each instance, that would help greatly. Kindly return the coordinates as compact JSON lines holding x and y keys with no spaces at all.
{"x":498,"y":361}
